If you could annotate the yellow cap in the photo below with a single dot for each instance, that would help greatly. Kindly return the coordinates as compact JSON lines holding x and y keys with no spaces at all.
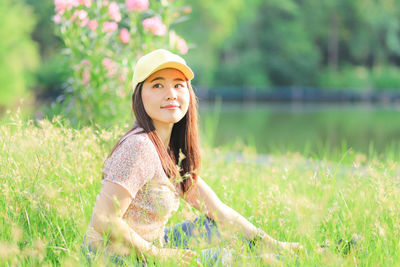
{"x":157,"y":60}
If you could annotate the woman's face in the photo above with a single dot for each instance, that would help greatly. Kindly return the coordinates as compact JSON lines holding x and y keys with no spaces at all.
{"x":165,"y":96}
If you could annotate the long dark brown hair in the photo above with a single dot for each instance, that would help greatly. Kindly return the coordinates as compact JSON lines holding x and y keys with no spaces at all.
{"x":184,"y":139}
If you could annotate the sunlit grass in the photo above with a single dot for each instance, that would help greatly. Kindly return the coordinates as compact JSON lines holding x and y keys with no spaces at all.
{"x":50,"y":176}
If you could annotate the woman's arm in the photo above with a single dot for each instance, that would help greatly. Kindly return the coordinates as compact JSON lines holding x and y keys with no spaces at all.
{"x":111,"y":205}
{"x":203,"y":198}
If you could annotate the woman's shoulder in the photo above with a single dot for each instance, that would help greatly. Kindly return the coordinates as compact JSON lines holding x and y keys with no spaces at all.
{"x":137,"y":140}
{"x":136,"y":146}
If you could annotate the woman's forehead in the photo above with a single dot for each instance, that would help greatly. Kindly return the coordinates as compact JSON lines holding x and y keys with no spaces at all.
{"x":167,"y":73}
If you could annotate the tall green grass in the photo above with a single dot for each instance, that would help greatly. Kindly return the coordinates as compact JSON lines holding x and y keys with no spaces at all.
{"x":50,"y":176}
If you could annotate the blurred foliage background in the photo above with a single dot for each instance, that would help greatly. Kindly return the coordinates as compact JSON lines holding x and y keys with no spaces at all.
{"x":270,"y":43}
{"x":330,"y":45}
{"x":18,"y":52}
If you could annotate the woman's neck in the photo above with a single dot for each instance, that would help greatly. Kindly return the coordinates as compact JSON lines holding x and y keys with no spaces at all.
{"x":164,"y":130}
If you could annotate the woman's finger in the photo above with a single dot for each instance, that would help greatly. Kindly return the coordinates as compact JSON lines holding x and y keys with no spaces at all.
{"x":292,"y":247}
{"x":296,"y":247}
{"x":190,"y":253}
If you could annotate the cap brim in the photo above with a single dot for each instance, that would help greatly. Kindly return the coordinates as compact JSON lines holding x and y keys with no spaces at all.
{"x":175,"y":65}
{"x":186,"y":71}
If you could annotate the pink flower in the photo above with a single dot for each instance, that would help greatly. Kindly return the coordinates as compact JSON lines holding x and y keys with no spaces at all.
{"x":107,"y":62}
{"x":113,"y":11}
{"x":82,"y":17}
{"x":124,"y":36}
{"x":82,"y":14}
{"x":122,"y":78}
{"x":109,"y":65}
{"x":110,"y":26}
{"x":155,"y":25}
{"x":62,"y":5}
{"x":139,"y":5}
{"x":85,"y":63}
{"x":86,"y":3}
{"x":85,"y":76}
{"x":105,"y":2}
{"x":121,"y":93}
{"x":57,"y":18}
{"x":182,"y":46}
{"x":92,"y":24}
{"x":187,"y":10}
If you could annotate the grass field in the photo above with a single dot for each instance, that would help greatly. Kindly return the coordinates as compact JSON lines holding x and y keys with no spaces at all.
{"x":50,"y":176}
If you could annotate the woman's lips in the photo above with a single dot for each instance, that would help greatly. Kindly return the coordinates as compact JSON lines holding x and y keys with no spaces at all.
{"x":170,"y":107}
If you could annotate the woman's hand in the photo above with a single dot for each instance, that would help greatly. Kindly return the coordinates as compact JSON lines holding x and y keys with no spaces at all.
{"x":184,"y":256}
{"x":273,"y":244}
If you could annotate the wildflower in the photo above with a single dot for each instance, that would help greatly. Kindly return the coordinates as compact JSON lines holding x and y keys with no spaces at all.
{"x":178,"y":42}
{"x":155,"y":25}
{"x":113,"y":11}
{"x":182,"y":46}
{"x":92,"y":24}
{"x":187,"y":10}
{"x":86,"y":3}
{"x":121,"y":93}
{"x":110,"y":66}
{"x":82,"y":17}
{"x":181,"y":156}
{"x":139,"y":5}
{"x":122,"y":78}
{"x":124,"y":36}
{"x":85,"y":76}
{"x":62,"y":5}
{"x":110,"y":26}
{"x":57,"y":18}
{"x":85,"y":63}
{"x":107,"y":62}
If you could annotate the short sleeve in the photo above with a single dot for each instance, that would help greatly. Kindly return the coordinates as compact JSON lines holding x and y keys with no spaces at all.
{"x":132,"y":164}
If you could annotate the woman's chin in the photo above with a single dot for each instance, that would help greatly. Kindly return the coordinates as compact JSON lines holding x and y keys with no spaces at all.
{"x":171,"y":120}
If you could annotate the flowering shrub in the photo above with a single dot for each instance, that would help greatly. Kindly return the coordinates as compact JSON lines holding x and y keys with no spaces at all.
{"x":103,"y":39}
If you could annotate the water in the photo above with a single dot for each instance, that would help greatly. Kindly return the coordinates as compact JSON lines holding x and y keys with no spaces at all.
{"x":302,"y":127}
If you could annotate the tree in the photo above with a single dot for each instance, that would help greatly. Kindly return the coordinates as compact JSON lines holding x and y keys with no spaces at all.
{"x":18,"y":53}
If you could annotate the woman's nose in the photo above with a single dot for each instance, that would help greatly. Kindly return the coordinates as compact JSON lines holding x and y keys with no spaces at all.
{"x":171,"y":93}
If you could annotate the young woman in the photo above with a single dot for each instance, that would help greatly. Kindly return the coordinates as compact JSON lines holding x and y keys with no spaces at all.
{"x":153,"y":165}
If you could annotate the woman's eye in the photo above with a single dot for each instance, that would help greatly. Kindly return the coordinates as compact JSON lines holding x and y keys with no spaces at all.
{"x":179,"y":85}
{"x":157,"y":85}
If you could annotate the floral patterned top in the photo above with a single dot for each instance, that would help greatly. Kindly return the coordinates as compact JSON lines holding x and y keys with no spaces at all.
{"x":136,"y":166}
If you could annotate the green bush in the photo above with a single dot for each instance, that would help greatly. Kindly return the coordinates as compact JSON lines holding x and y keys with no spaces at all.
{"x":51,"y":75}
{"x":361,"y":79}
{"x":386,"y":78}
{"x":349,"y":78}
